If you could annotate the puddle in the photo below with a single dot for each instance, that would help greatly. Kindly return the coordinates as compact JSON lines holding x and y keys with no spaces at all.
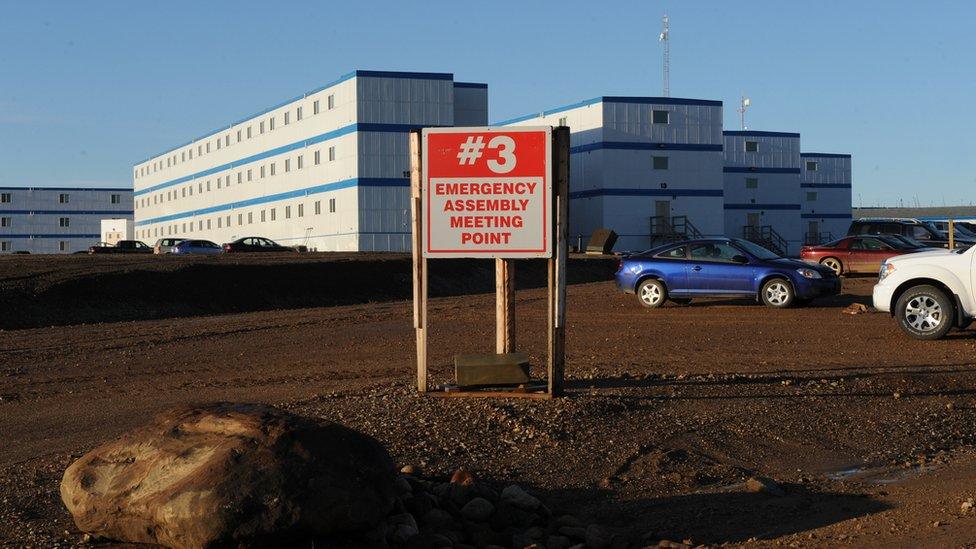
{"x":879,"y":475}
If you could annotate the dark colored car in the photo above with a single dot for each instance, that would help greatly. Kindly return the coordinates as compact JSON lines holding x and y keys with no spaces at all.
{"x":722,"y":267}
{"x":960,"y":229}
{"x":203,"y":247}
{"x":857,"y":254}
{"x":922,"y":231}
{"x":255,"y":244}
{"x":122,"y":247}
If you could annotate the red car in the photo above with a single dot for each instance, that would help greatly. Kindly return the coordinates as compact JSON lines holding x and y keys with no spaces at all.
{"x":857,"y":254}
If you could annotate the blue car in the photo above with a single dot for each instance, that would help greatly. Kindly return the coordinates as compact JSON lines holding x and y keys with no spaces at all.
{"x":196,"y":247}
{"x":722,"y":267}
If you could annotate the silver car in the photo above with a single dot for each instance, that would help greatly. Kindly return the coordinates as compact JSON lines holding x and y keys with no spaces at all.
{"x":165,"y":245}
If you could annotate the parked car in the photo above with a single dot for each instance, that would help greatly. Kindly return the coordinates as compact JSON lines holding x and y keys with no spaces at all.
{"x":255,"y":244}
{"x":961,"y":231}
{"x":197,"y":247}
{"x":722,"y":267}
{"x":928,"y":293}
{"x":165,"y":245}
{"x":856,"y":254}
{"x":121,"y":247}
{"x":922,"y":231}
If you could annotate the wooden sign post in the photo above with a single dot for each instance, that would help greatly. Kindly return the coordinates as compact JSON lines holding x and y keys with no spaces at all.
{"x":493,"y":193}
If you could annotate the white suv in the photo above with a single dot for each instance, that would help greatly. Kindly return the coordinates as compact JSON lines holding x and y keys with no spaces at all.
{"x":928,"y":292}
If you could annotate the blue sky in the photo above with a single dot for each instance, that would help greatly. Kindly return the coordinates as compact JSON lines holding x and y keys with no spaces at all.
{"x":89,"y":88}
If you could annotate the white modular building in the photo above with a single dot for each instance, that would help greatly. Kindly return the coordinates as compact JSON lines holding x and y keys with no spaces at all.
{"x":762,"y":188}
{"x":116,"y":229}
{"x":825,"y":196}
{"x":327,"y":169}
{"x":48,"y":220}
{"x":649,"y":168}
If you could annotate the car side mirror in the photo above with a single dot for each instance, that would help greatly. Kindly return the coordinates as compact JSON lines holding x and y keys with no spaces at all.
{"x":740,"y":259}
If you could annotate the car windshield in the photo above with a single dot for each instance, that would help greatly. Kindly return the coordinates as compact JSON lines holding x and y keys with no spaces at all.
{"x":896,"y":243}
{"x":755,"y":250}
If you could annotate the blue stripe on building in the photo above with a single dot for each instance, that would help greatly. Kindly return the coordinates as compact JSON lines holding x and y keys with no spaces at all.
{"x":752,"y":169}
{"x":73,"y":212}
{"x":105,"y":189}
{"x":67,"y":235}
{"x":824,"y":155}
{"x":825,"y":186}
{"x":757,"y":133}
{"x":826,"y":216}
{"x":636,"y":146}
{"x":590,"y":193}
{"x":612,"y":99}
{"x":762,"y":206}
{"x":345,"y":130}
{"x":317,"y":189}
{"x":477,"y":85}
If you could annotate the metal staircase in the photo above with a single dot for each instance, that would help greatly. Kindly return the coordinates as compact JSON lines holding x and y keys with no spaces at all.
{"x":767,"y":237}
{"x":665,"y":230}
{"x":814,"y":239}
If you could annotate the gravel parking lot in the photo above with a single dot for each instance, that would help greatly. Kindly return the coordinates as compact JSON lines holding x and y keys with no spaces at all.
{"x":669,"y":411}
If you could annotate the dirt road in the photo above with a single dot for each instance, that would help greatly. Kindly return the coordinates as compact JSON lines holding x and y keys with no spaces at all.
{"x":669,"y":411}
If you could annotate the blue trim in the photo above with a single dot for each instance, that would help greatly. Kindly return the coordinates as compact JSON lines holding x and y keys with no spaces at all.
{"x":51,"y":235}
{"x":477,"y":85}
{"x":824,"y":155}
{"x":325,"y":187}
{"x":341,"y":79}
{"x":637,"y":146}
{"x":646,"y":192}
{"x":613,"y":99}
{"x":826,"y":216}
{"x":114,"y":189}
{"x":345,"y":130}
{"x":73,"y":212}
{"x":824,"y":186}
{"x":762,"y":206}
{"x":752,"y":133}
{"x":751,"y":169}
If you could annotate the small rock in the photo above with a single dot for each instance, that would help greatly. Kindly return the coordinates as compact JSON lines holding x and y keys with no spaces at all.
{"x":478,"y":510}
{"x":764,"y":485}
{"x":438,"y":519}
{"x":520,"y":498}
{"x":855,"y":309}
{"x":402,"y":486}
{"x":463,"y":477}
{"x":410,"y":470}
{"x":596,"y":538}
{"x":897,"y":396}
{"x":967,"y":505}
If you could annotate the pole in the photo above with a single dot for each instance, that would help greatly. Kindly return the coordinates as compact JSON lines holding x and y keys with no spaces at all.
{"x":557,"y":263}
{"x":504,"y":306}
{"x":952,"y":235}
{"x":419,"y":262}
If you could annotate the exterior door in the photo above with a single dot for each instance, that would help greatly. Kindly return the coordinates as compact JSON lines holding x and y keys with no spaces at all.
{"x":662,"y":214}
{"x":813,"y":232}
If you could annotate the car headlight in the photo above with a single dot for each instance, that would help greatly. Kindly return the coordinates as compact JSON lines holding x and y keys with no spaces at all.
{"x":808,"y":273}
{"x":886,"y":269}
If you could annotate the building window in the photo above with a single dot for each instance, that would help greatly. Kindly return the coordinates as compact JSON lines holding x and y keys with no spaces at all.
{"x":301,"y":210}
{"x":661,"y":117}
{"x":250,"y":217}
{"x":249,"y":174}
{"x":287,"y":117}
{"x":752,"y":182}
{"x":331,"y":153}
{"x":240,"y":177}
{"x":298,"y":114}
{"x":274,"y":214}
{"x":208,"y":146}
{"x":116,"y":199}
{"x":5,"y":221}
{"x":316,"y":161}
{"x":191,"y":154}
{"x":261,"y":127}
{"x":249,"y":132}
{"x":331,"y":101}
{"x":240,"y":219}
{"x":5,"y":246}
{"x":63,"y":246}
{"x":811,"y":166}
{"x":218,"y":143}
{"x":332,"y":205}
{"x":660,"y":162}
{"x":238,"y":136}
{"x":752,"y":146}
{"x":318,"y":207}
{"x":272,"y":168}
{"x":262,"y":172}
{"x":300,"y":161}
{"x":64,"y":222}
{"x":287,"y":212}
{"x":200,"y":225}
{"x":5,"y":198}
{"x":220,"y":222}
{"x":63,"y":198}
{"x":811,"y":197}
{"x":262,"y":216}
{"x":315,"y":107}
{"x":271,"y":124}
{"x":287,"y":165}
{"x":562,"y":121}
{"x":208,"y":224}
{"x":227,"y":140}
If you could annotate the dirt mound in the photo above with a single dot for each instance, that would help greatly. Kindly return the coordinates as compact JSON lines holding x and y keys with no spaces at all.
{"x":65,"y":290}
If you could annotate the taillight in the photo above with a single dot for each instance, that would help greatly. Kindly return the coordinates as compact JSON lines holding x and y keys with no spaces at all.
{"x":227,"y":247}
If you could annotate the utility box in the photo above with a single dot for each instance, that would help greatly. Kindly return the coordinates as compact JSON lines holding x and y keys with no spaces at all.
{"x":491,"y":370}
{"x":114,"y":230}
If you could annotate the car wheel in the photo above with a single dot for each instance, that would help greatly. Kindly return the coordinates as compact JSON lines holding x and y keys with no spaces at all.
{"x":777,"y":293}
{"x":652,"y":293}
{"x":833,"y":264}
{"x":925,"y":312}
{"x":680,"y":300}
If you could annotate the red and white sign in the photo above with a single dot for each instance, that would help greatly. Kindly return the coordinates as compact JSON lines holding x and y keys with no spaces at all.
{"x":487,"y":192}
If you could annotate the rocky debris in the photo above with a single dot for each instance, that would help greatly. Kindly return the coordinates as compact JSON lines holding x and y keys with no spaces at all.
{"x":759,"y":484}
{"x":231,"y":474}
{"x":967,"y":506}
{"x":855,"y":309}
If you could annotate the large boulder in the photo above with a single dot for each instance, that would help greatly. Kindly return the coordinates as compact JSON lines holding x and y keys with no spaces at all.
{"x":230,"y":474}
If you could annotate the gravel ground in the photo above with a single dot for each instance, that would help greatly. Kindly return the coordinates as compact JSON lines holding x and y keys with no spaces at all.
{"x":868,"y":433}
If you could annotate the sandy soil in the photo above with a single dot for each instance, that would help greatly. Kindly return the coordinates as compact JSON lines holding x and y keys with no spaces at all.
{"x":669,"y":411}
